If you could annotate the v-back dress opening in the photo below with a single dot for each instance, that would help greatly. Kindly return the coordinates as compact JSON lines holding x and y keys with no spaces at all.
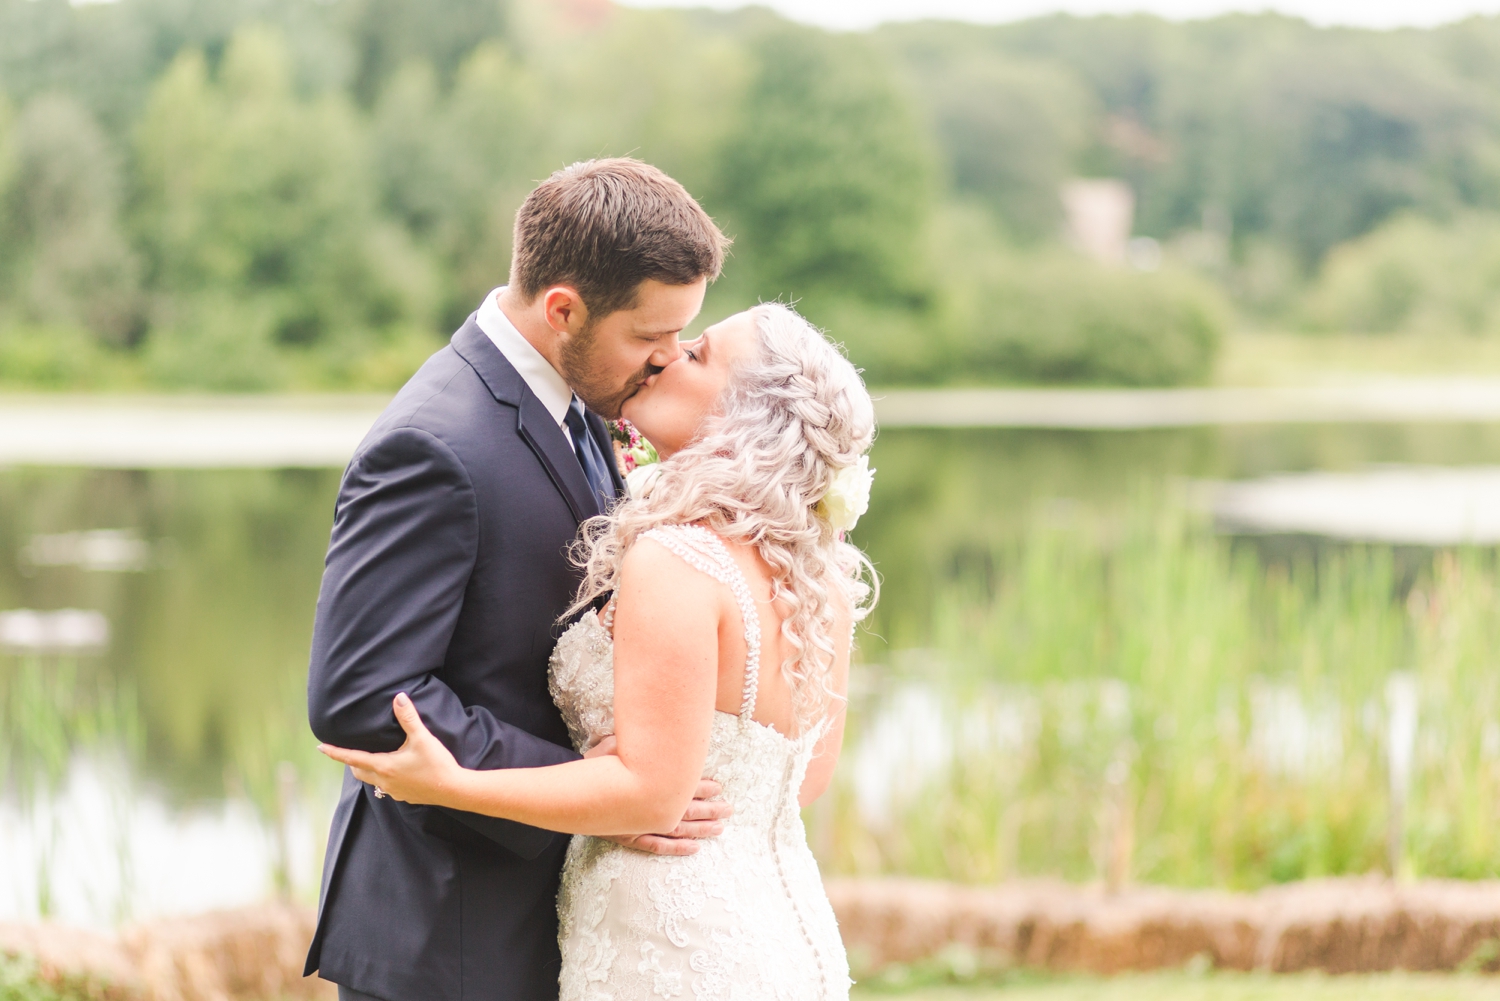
{"x":745,"y":918}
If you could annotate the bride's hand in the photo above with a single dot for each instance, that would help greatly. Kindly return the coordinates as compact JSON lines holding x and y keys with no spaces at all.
{"x":704,"y":817}
{"x":422,"y":770}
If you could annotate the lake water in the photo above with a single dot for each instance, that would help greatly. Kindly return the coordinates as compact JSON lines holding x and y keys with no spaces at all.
{"x":155,"y":755}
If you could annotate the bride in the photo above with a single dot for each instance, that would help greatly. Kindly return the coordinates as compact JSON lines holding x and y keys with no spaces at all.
{"x":722,"y":652}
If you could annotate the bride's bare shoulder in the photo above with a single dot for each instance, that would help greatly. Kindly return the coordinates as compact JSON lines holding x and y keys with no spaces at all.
{"x":658,"y":583}
{"x":667,"y":553}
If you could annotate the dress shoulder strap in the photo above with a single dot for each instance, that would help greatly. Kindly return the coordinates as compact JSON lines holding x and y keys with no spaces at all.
{"x":705,"y":551}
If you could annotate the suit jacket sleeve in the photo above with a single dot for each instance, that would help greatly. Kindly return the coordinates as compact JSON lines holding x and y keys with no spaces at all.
{"x":405,"y":537}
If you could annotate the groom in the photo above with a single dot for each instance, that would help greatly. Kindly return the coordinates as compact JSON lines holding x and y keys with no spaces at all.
{"x":447,"y":570}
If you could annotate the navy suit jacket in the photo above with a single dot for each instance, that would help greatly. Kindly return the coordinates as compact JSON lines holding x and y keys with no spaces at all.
{"x":446,"y":574}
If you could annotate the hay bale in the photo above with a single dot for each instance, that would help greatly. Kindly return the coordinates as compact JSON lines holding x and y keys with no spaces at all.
{"x":88,"y":963}
{"x":246,"y":954}
{"x":1334,"y":925}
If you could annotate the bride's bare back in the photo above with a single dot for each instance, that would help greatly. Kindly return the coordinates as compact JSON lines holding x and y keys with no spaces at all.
{"x":677,"y":591}
{"x":745,"y":915}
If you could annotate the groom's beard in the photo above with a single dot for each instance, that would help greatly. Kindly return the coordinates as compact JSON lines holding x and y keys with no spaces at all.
{"x":598,"y":393}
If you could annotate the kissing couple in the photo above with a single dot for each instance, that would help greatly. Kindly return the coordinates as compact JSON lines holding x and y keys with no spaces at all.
{"x":660,"y":676}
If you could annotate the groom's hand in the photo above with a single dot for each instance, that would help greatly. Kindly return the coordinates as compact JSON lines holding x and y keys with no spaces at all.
{"x":704,"y":817}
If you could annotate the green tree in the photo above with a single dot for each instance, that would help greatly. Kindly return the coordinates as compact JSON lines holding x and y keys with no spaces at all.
{"x":453,"y":165}
{"x":314,"y":186}
{"x":1043,"y":314}
{"x":453,"y":168}
{"x":1413,"y":275}
{"x":109,"y":55}
{"x":1338,"y":137}
{"x":1011,"y":131}
{"x":413,"y":164}
{"x":66,"y":261}
{"x":495,"y":132}
{"x":1058,"y":319}
{"x":651,"y":84}
{"x":388,"y":34}
{"x":1309,"y":136}
{"x":8,"y":255}
{"x":828,"y":180}
{"x":258,"y":215}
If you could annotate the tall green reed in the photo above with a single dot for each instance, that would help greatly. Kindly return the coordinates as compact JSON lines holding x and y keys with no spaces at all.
{"x":1138,"y":698}
{"x":53,"y":706}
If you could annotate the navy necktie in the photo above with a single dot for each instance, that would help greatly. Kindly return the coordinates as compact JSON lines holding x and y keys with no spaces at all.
{"x":589,"y":457}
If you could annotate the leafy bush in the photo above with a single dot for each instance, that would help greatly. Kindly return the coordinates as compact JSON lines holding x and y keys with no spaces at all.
{"x":1038,"y":315}
{"x":20,"y":980}
{"x":263,"y":202}
{"x":1062,"y":319}
{"x":1008,"y":129}
{"x":891,"y":346}
{"x":1413,"y":275}
{"x":66,"y":262}
{"x":58,"y":358}
{"x":826,"y":183}
{"x":325,"y":179}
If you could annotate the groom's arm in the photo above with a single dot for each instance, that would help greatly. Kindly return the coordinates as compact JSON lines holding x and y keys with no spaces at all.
{"x":405,"y":537}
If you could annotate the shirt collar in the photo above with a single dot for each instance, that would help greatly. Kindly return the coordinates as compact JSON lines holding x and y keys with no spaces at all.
{"x":550,"y":387}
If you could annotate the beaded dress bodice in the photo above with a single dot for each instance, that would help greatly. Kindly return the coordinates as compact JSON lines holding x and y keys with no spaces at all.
{"x":743,"y":918}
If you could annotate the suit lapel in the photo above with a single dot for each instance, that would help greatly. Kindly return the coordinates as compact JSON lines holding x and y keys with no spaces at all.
{"x":534,"y":424}
{"x":551,"y":445}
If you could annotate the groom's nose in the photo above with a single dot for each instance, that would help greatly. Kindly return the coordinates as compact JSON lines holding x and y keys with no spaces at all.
{"x":665,"y":354}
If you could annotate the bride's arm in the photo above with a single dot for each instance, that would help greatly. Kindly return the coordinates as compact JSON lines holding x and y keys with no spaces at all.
{"x":666,"y":656}
{"x":820,"y":769}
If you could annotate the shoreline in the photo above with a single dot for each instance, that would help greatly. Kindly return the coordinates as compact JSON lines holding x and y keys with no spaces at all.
{"x":322,"y":431}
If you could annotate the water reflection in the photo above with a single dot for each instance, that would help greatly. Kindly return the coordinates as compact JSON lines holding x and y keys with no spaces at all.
{"x":65,"y":630}
{"x":166,"y":743}
{"x":1422,"y":505}
{"x":165,"y":765}
{"x":944,"y":499}
{"x":102,"y":848}
{"x":103,"y":550}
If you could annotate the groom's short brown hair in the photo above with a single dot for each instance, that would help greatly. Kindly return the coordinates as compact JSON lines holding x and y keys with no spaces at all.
{"x":605,"y":226}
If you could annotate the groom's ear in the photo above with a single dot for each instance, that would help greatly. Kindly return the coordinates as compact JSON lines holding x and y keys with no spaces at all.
{"x":564,"y":309}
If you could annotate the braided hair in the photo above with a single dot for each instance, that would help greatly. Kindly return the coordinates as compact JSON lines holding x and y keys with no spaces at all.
{"x":789,"y":419}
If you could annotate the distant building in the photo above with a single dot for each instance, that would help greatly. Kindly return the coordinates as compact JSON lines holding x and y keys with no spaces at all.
{"x":1100,"y":213}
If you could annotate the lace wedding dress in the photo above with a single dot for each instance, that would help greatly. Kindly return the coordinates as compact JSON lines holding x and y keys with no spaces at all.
{"x":743,"y":919}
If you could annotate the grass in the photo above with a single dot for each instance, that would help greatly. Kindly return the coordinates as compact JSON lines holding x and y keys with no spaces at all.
{"x":1135,"y":698}
{"x":1178,"y":986}
{"x":1266,"y":359}
{"x":20,"y":980}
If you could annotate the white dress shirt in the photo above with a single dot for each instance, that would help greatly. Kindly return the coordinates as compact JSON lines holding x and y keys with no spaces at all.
{"x":540,"y":376}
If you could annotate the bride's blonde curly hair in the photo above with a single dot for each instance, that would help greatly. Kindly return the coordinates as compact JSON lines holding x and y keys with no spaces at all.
{"x":790,"y":418}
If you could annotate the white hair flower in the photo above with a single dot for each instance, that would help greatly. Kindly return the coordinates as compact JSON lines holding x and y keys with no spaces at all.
{"x":640,"y":480}
{"x":848,"y":496}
